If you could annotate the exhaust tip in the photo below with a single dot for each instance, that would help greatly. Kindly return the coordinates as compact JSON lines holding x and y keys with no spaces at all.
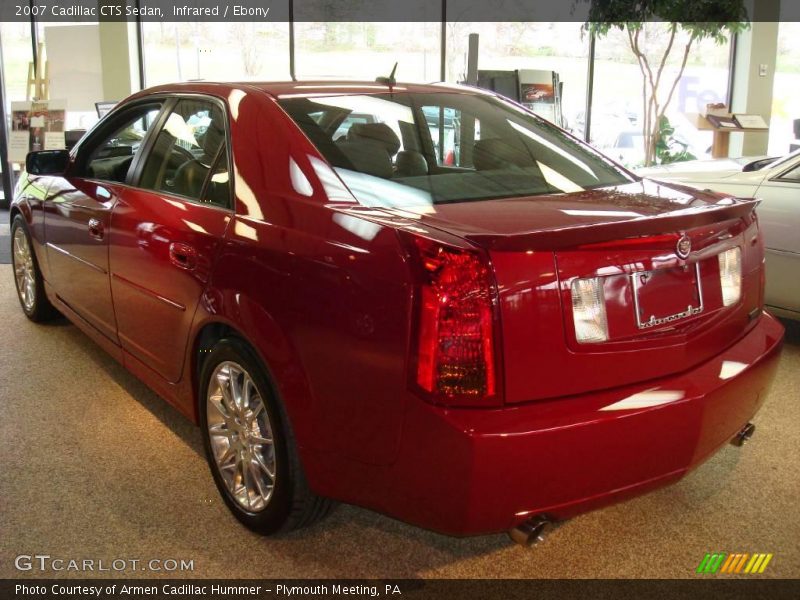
{"x":741,"y":438}
{"x":532,"y":531}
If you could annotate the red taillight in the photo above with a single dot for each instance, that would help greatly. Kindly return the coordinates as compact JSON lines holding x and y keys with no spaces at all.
{"x":454,"y":350}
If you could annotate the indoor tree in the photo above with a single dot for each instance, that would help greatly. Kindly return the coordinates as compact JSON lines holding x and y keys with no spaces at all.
{"x":679,"y":24}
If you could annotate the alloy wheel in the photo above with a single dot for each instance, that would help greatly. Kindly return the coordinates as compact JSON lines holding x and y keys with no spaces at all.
{"x":241,"y":436}
{"x":24,"y":269}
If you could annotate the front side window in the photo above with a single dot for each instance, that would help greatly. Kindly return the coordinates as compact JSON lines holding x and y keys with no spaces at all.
{"x":411,"y":148}
{"x":110,"y":157}
{"x":189,"y":155}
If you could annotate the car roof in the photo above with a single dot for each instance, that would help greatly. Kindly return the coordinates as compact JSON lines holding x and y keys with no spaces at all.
{"x":281,"y":89}
{"x":295,"y":88}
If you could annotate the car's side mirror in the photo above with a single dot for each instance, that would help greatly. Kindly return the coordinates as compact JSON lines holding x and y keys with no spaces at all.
{"x":47,"y":162}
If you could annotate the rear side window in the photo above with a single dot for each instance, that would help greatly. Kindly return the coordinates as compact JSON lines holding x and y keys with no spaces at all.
{"x":189,"y":157}
{"x":791,"y":175}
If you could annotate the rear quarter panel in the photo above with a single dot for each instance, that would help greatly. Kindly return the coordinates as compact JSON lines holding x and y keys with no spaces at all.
{"x":321,"y":294}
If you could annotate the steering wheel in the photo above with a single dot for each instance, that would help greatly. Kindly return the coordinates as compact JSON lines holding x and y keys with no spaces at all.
{"x":178,"y":156}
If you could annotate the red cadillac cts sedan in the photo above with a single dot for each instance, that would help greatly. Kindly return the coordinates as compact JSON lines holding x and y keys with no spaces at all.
{"x":420,"y":299}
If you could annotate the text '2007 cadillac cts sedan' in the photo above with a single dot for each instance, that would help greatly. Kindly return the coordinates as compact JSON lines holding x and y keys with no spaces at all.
{"x":419,"y":299}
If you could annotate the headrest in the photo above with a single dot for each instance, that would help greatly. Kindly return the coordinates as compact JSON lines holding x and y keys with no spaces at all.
{"x":368,"y":157}
{"x":375,"y":132}
{"x":410,"y":164}
{"x":495,"y":153}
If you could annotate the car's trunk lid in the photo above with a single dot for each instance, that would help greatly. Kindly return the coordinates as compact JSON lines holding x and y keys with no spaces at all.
{"x":665,"y":312}
{"x":565,"y":220}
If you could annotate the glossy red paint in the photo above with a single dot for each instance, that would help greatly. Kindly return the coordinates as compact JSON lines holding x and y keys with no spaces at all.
{"x":323,"y":289}
{"x":161,"y":255}
{"x":77,"y":217}
{"x":467,"y":471}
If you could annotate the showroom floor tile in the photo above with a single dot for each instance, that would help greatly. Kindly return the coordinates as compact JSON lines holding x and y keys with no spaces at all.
{"x":94,"y":465}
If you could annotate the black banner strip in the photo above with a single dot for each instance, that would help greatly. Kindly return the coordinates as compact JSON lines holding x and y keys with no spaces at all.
{"x":716,"y":587}
{"x":275,"y":11}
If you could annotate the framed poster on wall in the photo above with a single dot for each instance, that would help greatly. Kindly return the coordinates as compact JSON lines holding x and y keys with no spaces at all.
{"x":36,"y":125}
{"x":540,"y":91}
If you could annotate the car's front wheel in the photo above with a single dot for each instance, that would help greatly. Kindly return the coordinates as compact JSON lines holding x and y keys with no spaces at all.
{"x":249,"y":445}
{"x":27,"y":275}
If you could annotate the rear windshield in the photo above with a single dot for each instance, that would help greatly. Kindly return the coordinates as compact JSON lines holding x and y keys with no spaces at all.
{"x":406,"y":148}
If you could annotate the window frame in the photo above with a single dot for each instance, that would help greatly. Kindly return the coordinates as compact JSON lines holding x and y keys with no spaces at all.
{"x":172,"y":99}
{"x":108,"y":126}
{"x":782,"y":176}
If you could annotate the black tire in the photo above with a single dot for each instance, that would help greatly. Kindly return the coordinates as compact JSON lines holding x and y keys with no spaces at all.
{"x":292,"y":504}
{"x":41,"y":310}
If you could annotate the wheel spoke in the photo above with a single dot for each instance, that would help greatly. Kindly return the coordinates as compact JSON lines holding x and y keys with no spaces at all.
{"x":246,"y":385}
{"x":224,"y":388}
{"x":257,"y":410}
{"x":259,"y":440}
{"x":235,"y":389}
{"x":224,"y":461}
{"x":217,"y":402}
{"x":219,"y":430}
{"x":247,"y":480}
{"x":238,"y":481}
{"x":257,"y":479}
{"x":260,"y":462}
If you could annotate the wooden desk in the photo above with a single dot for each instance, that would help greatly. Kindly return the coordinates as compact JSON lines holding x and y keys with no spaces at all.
{"x":722,"y":135}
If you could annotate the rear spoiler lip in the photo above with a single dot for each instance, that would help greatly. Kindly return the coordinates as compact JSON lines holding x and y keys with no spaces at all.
{"x":568,"y":237}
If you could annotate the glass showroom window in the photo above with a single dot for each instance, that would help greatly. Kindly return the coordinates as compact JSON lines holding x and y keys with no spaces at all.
{"x":617,"y":106}
{"x":215,"y":51}
{"x":74,"y":56}
{"x":17,"y":53}
{"x":559,"y":47}
{"x":368,"y":50}
{"x":785,"y":103}
{"x":16,"y":41}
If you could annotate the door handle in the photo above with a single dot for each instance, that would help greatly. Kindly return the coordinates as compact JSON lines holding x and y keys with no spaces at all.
{"x":182,"y":255}
{"x":96,"y":229}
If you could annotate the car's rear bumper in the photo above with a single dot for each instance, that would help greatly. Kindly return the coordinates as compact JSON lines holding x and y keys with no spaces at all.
{"x":479,"y":471}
